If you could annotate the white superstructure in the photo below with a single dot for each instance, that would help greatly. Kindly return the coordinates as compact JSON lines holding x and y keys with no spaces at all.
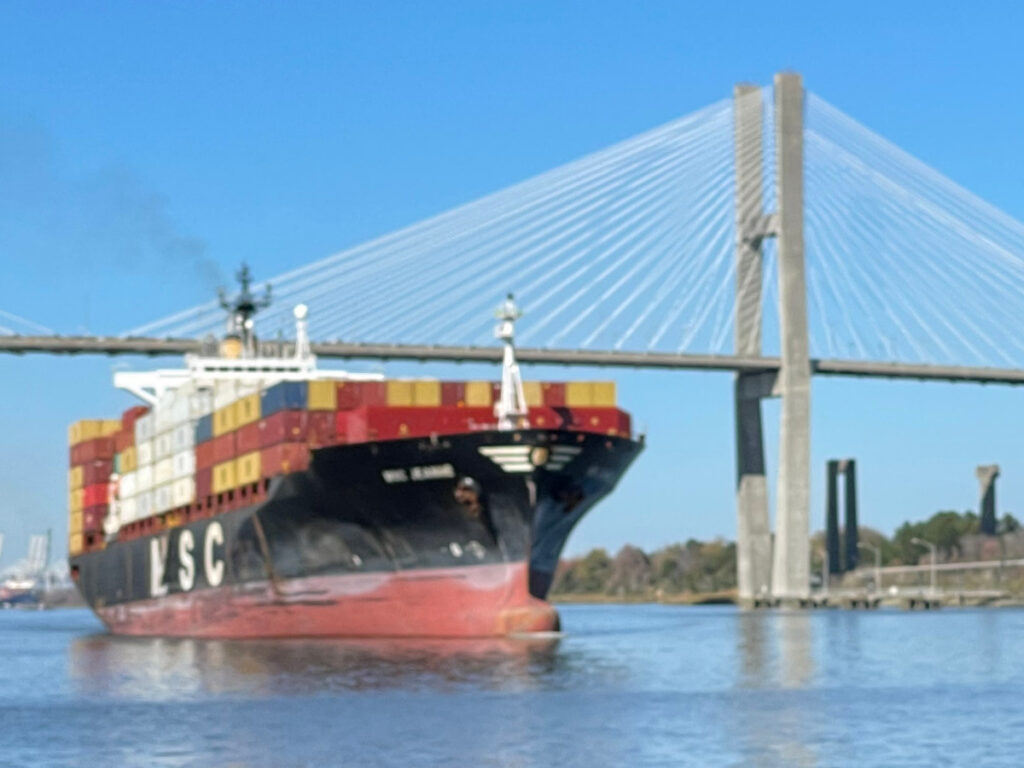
{"x":162,"y":477}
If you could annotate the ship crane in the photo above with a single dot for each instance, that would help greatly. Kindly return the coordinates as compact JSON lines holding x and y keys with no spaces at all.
{"x":511,"y":409}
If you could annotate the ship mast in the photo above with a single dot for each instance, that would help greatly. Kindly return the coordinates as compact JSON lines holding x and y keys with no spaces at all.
{"x":511,"y":408}
{"x":241,"y":310}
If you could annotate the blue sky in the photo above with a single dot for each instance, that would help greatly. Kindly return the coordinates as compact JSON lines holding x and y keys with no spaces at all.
{"x":147,"y":148}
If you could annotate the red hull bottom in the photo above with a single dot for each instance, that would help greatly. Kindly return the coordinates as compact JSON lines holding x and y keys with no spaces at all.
{"x":472,"y":601}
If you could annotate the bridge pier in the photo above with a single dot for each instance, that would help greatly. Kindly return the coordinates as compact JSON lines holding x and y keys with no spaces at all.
{"x":753,"y":527}
{"x":987,"y":475}
{"x":791,"y":568}
{"x":784,"y":564}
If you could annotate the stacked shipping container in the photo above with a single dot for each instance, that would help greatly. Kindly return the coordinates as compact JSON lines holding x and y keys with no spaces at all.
{"x":92,"y":448}
{"x":206,"y":450}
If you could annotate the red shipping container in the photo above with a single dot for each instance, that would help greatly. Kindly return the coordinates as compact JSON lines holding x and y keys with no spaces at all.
{"x":320,"y":428}
{"x":129,"y":417}
{"x":350,"y":426}
{"x":399,"y":422}
{"x":464,"y":419}
{"x":247,"y":438}
{"x":453,"y":393}
{"x":604,"y":421}
{"x":93,"y":495}
{"x":284,"y":427}
{"x":553,"y":393}
{"x":544,"y":417}
{"x":283,"y":458}
{"x":92,"y":450}
{"x":92,"y":518}
{"x":354,"y":394}
{"x":396,"y":423}
{"x":124,"y":440}
{"x":204,"y":455}
{"x":97,"y":472}
{"x":224,"y":448}
{"x":204,"y":482}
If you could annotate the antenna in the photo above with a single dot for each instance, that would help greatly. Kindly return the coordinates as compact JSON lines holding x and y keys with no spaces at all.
{"x":242,"y":308}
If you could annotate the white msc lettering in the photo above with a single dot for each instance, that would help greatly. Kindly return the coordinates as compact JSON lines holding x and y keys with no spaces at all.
{"x":157,"y":565}
{"x":187,"y":567}
{"x":214,"y":569}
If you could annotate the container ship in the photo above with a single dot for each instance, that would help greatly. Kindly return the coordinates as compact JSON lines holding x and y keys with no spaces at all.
{"x":253,"y":494}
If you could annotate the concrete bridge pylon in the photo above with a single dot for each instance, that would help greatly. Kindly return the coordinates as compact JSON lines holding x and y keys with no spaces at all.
{"x":772,"y":571}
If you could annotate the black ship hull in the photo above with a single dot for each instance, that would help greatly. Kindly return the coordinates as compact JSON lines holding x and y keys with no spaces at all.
{"x":457,"y":535}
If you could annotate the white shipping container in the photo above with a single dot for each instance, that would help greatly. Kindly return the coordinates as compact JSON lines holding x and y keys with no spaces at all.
{"x":184,"y":463}
{"x":163,"y":471}
{"x":144,"y":505}
{"x":162,"y":412}
{"x":126,"y":486}
{"x":144,"y":453}
{"x":144,"y":428}
{"x":179,"y":411}
{"x":163,"y":446}
{"x":224,"y":393}
{"x":128,"y":511}
{"x":183,"y":437}
{"x":201,"y":403}
{"x":247,"y":388}
{"x":162,"y":499}
{"x":143,"y":479}
{"x":183,"y":491}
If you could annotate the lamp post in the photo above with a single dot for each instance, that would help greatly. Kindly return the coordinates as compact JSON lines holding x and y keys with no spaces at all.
{"x":932,"y":547}
{"x":825,"y":576}
{"x":878,"y":562}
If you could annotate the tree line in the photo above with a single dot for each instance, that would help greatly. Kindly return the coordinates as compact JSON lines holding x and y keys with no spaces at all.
{"x":701,"y":567}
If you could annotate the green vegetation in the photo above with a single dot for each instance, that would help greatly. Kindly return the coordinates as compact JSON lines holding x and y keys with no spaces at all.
{"x":710,"y":567}
{"x":693,"y":567}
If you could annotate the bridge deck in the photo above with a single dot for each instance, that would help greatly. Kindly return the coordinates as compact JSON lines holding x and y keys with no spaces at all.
{"x":74,"y":345}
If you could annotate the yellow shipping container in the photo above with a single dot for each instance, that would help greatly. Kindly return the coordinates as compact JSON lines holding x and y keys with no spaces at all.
{"x":224,"y":476}
{"x":478,"y":394}
{"x":84,"y":429}
{"x":247,"y":468}
{"x":400,"y":392}
{"x":534,"y":395}
{"x":75,"y":522}
{"x":322,"y":395}
{"x":75,"y":478}
{"x":224,"y":420}
{"x":75,"y":500}
{"x":426,"y":393}
{"x":604,"y":394}
{"x":579,"y":394}
{"x":109,"y":427}
{"x":75,"y":543}
{"x":129,"y":459}
{"x":247,"y":410}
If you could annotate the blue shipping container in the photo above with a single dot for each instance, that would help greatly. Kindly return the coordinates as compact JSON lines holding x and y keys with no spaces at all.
{"x":286,"y":395}
{"x":204,"y":429}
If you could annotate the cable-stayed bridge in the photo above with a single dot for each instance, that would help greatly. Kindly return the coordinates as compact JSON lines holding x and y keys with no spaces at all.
{"x":768,"y":234}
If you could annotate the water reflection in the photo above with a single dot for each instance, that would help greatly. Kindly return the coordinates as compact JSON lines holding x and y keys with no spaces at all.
{"x":753,"y":651}
{"x":776,"y":651}
{"x":165,"y":668}
{"x":796,"y":644}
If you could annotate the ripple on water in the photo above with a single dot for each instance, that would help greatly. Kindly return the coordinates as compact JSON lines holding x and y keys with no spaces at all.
{"x":647,"y":685}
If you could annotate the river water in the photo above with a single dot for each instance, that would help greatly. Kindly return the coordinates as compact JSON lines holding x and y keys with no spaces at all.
{"x":625,"y":685}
